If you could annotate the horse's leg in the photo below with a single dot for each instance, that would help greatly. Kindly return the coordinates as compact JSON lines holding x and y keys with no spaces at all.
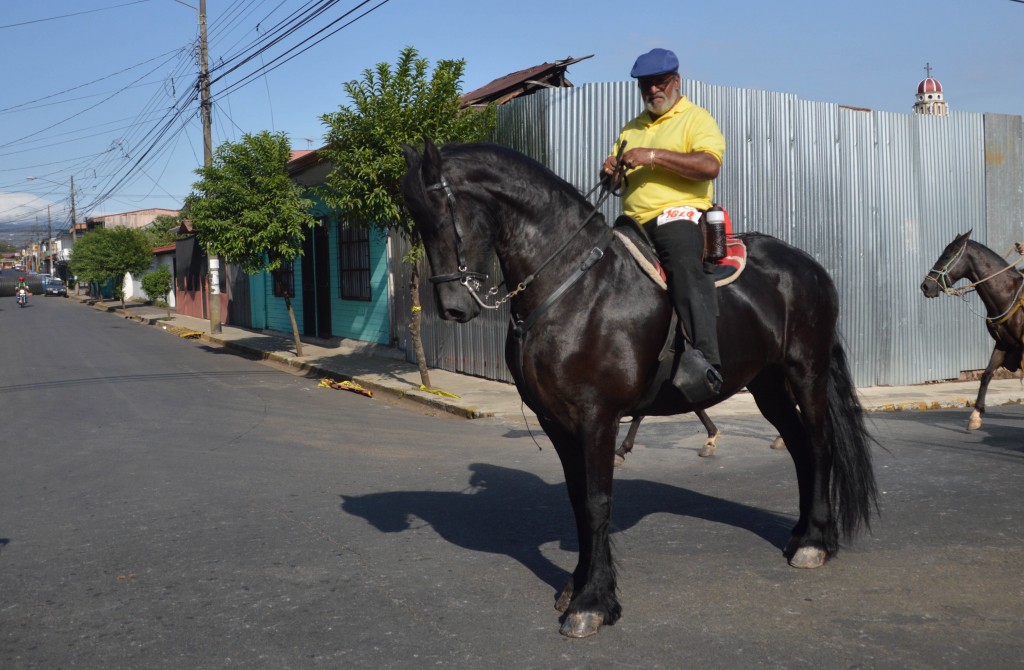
{"x":627,"y":442}
{"x":994,"y":362}
{"x":708,"y":449}
{"x":587,"y":464}
{"x":711,"y":443}
{"x":804,"y":436}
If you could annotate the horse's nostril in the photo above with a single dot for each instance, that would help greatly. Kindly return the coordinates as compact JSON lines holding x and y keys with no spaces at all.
{"x":454,"y":315}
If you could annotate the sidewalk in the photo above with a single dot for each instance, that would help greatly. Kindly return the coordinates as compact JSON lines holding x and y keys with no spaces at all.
{"x":383,"y":370}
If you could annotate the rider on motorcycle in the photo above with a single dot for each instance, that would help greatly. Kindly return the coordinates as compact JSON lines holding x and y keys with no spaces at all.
{"x":18,"y":288}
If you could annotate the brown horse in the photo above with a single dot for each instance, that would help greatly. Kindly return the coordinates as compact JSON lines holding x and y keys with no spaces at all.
{"x":999,"y":286}
{"x":707,"y":449}
{"x":587,"y":331}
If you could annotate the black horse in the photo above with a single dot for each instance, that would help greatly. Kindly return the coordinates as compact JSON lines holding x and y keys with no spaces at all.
{"x":588,"y":328}
{"x":1000,"y":288}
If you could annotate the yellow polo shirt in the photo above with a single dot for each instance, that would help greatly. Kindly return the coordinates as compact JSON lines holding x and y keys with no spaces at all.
{"x":684,"y":128}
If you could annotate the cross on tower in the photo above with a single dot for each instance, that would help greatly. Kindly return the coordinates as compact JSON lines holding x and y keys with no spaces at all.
{"x":928,"y":70}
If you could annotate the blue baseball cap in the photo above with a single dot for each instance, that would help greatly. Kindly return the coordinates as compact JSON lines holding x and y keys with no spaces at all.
{"x":653,"y":63}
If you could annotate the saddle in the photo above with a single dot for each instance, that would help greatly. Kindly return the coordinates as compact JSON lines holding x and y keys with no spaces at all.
{"x":724,"y":271}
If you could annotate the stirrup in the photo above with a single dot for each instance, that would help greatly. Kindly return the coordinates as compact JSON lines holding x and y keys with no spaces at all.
{"x":695,"y":377}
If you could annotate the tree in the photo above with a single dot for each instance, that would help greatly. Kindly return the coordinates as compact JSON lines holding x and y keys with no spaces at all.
{"x":111,"y":253}
{"x":246,"y":209}
{"x":163,"y":230}
{"x":364,"y":143}
{"x":157,"y":285}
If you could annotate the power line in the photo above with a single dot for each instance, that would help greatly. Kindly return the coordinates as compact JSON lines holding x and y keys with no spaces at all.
{"x":156,"y":130}
{"x":67,"y":16}
{"x":25,"y":105}
{"x":278,"y":62}
{"x":65,"y":120}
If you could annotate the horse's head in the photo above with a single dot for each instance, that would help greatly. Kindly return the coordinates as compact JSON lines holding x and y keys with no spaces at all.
{"x":448,"y":220}
{"x":948,"y":269}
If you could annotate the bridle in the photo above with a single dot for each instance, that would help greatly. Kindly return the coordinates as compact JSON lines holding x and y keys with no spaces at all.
{"x":463,"y":274}
{"x":941,"y":276}
{"x":473,"y":280}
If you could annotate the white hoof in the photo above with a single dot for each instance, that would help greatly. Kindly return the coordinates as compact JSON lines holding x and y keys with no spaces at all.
{"x":808,"y":558}
{"x":779,"y":443}
{"x":709,"y":447}
{"x":974,"y":423}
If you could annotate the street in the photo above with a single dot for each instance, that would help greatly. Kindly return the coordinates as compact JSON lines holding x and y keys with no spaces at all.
{"x":167,"y":504}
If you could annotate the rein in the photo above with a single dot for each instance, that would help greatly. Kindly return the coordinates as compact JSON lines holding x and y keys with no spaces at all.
{"x":473,"y":280}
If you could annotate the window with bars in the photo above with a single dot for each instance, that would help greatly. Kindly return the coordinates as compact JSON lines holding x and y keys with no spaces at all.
{"x":284,"y":280}
{"x":354,"y":261}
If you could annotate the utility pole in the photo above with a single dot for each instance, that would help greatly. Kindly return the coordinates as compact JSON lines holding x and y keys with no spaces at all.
{"x":205,"y":113}
{"x":74,"y":226}
{"x":49,"y":242}
{"x":74,"y":232}
{"x":34,"y":265}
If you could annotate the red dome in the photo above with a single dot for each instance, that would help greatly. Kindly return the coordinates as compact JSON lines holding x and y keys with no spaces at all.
{"x":929,"y":85}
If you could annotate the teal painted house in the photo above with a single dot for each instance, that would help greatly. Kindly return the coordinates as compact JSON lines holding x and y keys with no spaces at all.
{"x":341,"y":283}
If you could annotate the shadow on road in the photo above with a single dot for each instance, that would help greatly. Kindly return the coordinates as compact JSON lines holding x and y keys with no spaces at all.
{"x":515,"y":513}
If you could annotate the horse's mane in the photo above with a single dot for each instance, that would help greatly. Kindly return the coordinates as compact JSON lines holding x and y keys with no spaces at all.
{"x":992,"y":256}
{"x":512,"y":162}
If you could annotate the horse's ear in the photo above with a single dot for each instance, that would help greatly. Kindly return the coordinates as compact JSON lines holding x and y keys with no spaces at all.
{"x":412,"y":158}
{"x":962,"y":238}
{"x":431,"y":162}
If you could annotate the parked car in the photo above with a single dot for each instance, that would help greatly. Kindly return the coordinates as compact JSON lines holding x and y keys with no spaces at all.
{"x":55,"y":286}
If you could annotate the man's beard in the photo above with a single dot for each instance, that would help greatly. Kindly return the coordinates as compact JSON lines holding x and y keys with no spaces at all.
{"x":658,"y":104}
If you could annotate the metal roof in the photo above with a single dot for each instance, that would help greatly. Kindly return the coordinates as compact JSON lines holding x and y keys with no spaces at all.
{"x":523,"y":82}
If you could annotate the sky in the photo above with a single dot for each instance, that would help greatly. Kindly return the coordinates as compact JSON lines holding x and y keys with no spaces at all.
{"x":98,"y":91}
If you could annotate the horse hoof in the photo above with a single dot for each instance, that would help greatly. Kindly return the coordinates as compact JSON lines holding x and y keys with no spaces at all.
{"x":619,"y":461}
{"x":779,"y":443}
{"x":808,"y":558}
{"x":707,"y":450}
{"x":974,"y":423}
{"x":581,"y":624}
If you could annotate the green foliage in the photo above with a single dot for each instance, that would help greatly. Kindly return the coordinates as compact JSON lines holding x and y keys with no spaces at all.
{"x":157,"y":284}
{"x":163,"y":230}
{"x":110,"y":253}
{"x":245,"y":208}
{"x":391,"y":107}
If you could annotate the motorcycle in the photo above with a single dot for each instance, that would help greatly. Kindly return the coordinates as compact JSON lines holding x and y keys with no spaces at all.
{"x":22,"y":297}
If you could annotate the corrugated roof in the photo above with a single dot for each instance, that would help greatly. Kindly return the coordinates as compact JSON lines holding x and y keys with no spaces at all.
{"x":523,"y":82}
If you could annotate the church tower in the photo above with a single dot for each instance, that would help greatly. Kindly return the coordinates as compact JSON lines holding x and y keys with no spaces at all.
{"x":929,"y":95}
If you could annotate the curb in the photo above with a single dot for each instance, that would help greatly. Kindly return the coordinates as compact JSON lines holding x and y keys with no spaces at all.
{"x":312,"y":369}
{"x":438,"y":403}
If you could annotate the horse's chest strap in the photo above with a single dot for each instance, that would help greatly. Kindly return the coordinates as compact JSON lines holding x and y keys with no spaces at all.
{"x":521,"y":327}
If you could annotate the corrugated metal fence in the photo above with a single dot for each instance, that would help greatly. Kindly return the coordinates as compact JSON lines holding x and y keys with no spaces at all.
{"x":874,"y":196}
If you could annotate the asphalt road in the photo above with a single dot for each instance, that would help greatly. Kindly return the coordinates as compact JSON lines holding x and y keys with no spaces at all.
{"x":166,"y":504}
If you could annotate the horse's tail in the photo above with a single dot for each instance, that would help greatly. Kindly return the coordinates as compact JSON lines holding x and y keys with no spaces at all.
{"x":854,"y":492}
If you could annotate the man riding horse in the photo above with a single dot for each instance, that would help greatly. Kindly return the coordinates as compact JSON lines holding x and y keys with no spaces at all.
{"x":675,"y":151}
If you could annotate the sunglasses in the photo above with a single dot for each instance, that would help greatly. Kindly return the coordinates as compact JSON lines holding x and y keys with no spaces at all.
{"x":661,"y":82}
